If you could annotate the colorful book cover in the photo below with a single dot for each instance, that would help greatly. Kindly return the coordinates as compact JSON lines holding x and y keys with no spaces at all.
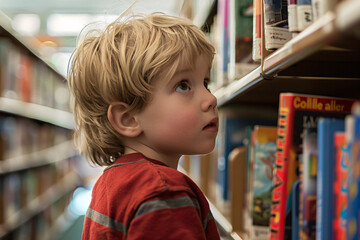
{"x":342,"y":154}
{"x":296,"y":111}
{"x":308,"y":177}
{"x":264,"y":163}
{"x":353,"y":229}
{"x":326,"y":167}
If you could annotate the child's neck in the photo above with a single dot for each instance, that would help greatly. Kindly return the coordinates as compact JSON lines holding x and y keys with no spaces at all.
{"x":169,"y":160}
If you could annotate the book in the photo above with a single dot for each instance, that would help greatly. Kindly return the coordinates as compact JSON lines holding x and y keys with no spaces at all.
{"x":248,"y":142}
{"x":321,"y":7}
{"x":293,"y":15}
{"x":304,"y":14}
{"x":256,"y":52}
{"x":308,"y":177}
{"x":232,"y":133}
{"x":353,"y":229}
{"x":233,"y":122}
{"x":264,"y":149}
{"x":223,"y":43}
{"x":276,"y":24}
{"x":342,"y":154}
{"x":326,"y":167}
{"x":240,"y":38}
{"x":296,"y":111}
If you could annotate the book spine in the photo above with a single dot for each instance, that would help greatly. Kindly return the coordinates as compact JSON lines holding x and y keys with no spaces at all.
{"x":308,"y":184}
{"x":354,"y":185}
{"x":277,"y":219}
{"x":340,"y":185}
{"x":257,"y":31}
{"x":324,"y":213}
{"x":276,"y":24}
{"x":292,"y":16}
{"x":304,"y":14}
{"x":264,"y":161}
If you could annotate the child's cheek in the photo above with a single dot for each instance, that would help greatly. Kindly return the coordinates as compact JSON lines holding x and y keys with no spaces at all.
{"x":185,"y":120}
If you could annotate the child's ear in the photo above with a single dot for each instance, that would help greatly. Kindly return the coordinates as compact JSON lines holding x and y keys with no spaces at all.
{"x":123,"y":121}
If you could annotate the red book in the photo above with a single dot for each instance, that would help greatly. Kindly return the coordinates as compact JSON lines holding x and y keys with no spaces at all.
{"x":296,"y":111}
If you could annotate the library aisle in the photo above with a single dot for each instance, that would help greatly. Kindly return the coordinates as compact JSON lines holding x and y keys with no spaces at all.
{"x":287,"y":79}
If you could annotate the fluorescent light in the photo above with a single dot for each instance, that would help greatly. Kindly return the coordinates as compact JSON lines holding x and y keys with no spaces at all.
{"x":26,"y":24}
{"x":67,"y":24}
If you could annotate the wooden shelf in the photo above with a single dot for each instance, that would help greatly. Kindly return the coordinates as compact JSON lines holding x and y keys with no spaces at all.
{"x":63,"y":151}
{"x":38,"y":112}
{"x":39,"y":204}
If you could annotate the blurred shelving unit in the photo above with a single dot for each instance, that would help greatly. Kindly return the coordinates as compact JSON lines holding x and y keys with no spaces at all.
{"x":37,"y":159}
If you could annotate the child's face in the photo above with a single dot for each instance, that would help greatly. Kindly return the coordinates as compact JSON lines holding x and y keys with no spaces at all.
{"x":182,"y":116}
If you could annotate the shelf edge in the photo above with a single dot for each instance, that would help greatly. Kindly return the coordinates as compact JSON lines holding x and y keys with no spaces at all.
{"x":38,"y":112}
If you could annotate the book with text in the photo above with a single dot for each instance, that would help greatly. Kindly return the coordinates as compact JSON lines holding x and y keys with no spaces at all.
{"x":296,"y":111}
{"x":276,"y":24}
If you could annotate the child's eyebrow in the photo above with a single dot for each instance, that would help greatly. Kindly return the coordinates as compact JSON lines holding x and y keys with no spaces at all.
{"x":189,"y":69}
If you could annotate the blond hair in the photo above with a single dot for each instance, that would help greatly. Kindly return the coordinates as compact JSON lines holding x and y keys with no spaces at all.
{"x":120,"y":64}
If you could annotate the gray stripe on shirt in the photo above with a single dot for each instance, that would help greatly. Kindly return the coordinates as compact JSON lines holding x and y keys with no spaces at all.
{"x":106,"y":221}
{"x":173,"y":203}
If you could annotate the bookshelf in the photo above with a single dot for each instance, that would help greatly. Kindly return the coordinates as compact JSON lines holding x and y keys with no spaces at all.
{"x":331,"y":39}
{"x":323,"y":59}
{"x":38,"y":157}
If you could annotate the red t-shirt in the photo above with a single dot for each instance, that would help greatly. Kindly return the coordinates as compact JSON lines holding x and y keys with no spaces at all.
{"x":141,"y":198}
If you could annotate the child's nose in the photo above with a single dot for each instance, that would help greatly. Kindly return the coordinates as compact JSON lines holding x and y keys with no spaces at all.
{"x":209,"y":101}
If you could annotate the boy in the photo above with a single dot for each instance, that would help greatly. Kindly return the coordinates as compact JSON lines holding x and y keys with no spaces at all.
{"x":140,"y":102}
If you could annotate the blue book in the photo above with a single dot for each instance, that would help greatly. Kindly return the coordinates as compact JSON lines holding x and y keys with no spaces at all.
{"x":353,"y":231}
{"x":233,"y":128}
{"x":325,"y":170}
{"x":232,"y":134}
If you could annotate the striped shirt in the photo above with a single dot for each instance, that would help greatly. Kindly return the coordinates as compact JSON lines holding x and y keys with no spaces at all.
{"x":141,"y":198}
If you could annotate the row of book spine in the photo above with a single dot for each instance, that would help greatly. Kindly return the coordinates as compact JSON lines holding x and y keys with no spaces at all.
{"x":279,"y":180}
{"x":297,"y":114}
{"x":19,"y":189}
{"x":237,"y":31}
{"x":38,"y":226}
{"x":26,"y":78}
{"x":21,"y":136}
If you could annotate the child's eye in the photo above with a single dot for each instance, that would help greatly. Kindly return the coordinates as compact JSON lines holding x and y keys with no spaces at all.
{"x":182,"y":87}
{"x":206,"y":84}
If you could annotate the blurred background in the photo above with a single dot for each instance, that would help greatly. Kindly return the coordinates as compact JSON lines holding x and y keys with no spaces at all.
{"x":53,"y":26}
